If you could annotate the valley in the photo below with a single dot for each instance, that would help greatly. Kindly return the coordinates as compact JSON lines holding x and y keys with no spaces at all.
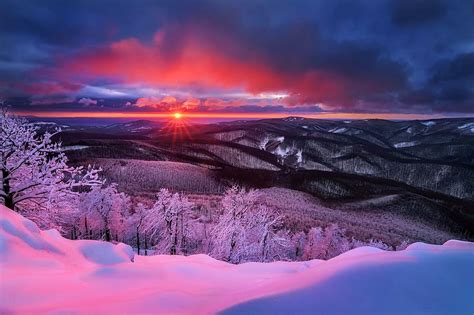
{"x":395,"y":181}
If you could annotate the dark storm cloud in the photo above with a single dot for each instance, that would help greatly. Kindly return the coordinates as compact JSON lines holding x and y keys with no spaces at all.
{"x":452,"y":83}
{"x":363,"y":55}
{"x":412,"y":12}
{"x":460,"y":67}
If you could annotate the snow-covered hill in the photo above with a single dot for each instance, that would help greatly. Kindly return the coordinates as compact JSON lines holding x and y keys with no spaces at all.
{"x":41,"y":272}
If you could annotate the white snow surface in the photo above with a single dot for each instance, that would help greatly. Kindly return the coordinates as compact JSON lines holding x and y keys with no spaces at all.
{"x":466,"y":126}
{"x":299,"y":156}
{"x":41,"y":272}
{"x":338,"y":130}
{"x":428,"y":123}
{"x":404,"y":144}
{"x":74,"y":147}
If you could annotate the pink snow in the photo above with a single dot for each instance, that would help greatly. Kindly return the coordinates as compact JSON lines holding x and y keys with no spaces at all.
{"x":41,"y":272}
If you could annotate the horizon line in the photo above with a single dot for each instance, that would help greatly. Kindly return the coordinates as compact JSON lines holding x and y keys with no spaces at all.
{"x":216,"y":115}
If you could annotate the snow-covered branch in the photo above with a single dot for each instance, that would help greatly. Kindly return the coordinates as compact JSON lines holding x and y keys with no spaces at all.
{"x":33,"y":167}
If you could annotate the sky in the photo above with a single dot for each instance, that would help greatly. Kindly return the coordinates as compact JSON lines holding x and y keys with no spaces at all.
{"x":404,"y":58}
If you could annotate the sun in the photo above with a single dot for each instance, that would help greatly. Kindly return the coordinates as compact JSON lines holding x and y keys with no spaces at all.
{"x":177,"y":115}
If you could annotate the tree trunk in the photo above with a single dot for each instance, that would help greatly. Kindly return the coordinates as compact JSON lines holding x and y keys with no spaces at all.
{"x":146,"y":247}
{"x":107,"y":235}
{"x":264,"y":247}
{"x":9,"y":202}
{"x":86,"y":227}
{"x":174,"y":240}
{"x":183,"y":239}
{"x":169,"y":228}
{"x":232,"y":246}
{"x":6,"y":189}
{"x":231,"y":251}
{"x":138,"y":242}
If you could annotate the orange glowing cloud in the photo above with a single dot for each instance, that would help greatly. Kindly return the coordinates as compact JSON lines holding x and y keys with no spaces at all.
{"x":188,"y":59}
{"x":147,"y":101}
{"x":198,"y":61}
{"x":168,"y":103}
{"x":190,"y":104}
{"x":169,"y":100}
{"x":156,"y":102}
{"x":218,"y":103}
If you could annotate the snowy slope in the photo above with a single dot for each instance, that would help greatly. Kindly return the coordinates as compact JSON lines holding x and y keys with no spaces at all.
{"x":41,"y":272}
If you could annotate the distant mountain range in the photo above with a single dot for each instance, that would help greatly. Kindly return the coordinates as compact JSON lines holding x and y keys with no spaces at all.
{"x":427,"y":165}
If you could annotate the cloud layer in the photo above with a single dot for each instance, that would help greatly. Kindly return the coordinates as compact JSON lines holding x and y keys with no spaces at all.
{"x":257,"y":56}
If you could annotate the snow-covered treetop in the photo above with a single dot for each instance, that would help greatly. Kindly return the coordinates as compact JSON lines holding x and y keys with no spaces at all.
{"x":33,"y":166}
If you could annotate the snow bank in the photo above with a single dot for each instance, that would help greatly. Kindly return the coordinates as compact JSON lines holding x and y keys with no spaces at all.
{"x":41,"y":272}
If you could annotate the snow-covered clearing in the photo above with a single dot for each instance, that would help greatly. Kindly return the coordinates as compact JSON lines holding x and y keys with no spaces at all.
{"x":376,"y":201}
{"x":41,"y":272}
{"x":404,"y":144}
{"x":428,"y":123}
{"x":74,"y":147}
{"x":338,"y":130}
{"x":466,"y":126}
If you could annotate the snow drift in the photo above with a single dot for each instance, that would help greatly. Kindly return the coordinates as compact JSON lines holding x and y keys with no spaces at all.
{"x":41,"y":272}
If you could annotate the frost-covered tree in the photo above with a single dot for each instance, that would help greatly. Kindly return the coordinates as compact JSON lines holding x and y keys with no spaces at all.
{"x":104,"y":209}
{"x":326,"y":243}
{"x":154,"y":220}
{"x":262,"y":229}
{"x":58,"y":213}
{"x":247,"y":230}
{"x":331,"y":241}
{"x":137,"y":221}
{"x":299,"y":241}
{"x":228,"y":235}
{"x":33,"y":168}
{"x":167,"y":222}
{"x":316,"y":244}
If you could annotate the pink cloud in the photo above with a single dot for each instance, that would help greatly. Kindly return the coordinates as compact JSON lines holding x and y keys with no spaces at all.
{"x":198,"y":63}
